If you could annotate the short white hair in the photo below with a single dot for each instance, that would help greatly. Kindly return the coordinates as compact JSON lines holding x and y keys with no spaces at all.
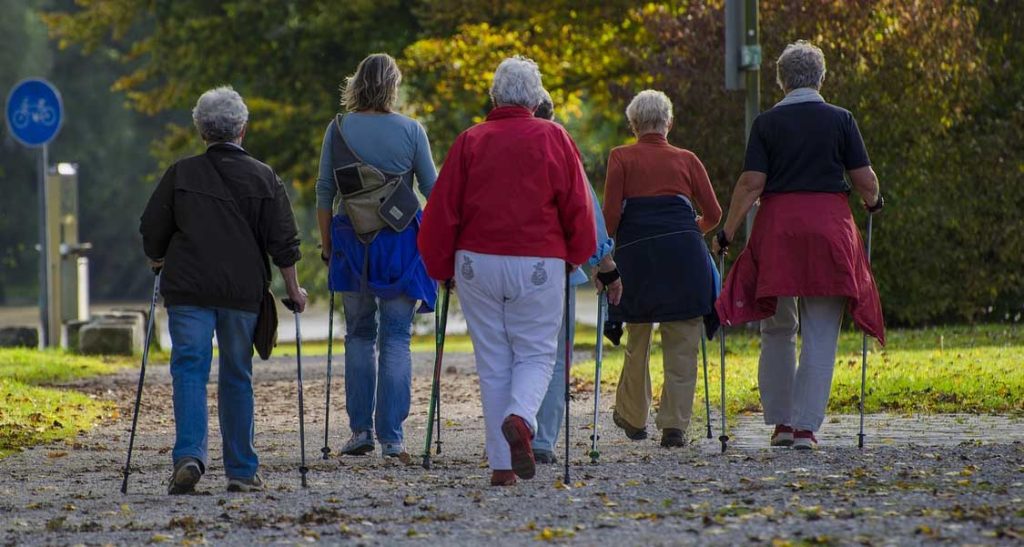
{"x":220,"y":115}
{"x":649,"y":112}
{"x":802,"y":64}
{"x":517,"y":82}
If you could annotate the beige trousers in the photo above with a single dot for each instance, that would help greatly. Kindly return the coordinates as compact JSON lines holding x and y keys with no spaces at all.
{"x":680,"y":343}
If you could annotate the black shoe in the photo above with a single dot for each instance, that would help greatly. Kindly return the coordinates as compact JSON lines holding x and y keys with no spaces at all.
{"x":544,"y":456}
{"x":633,"y":433}
{"x":672,"y":438}
{"x":184,"y":477}
{"x":613,"y":332}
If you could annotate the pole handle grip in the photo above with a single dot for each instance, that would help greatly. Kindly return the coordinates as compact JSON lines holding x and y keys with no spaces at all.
{"x":290,"y":304}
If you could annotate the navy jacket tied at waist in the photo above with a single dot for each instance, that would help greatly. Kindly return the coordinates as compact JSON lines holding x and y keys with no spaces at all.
{"x":667,"y":271}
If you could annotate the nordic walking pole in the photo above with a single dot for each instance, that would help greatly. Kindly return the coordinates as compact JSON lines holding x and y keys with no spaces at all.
{"x":707,"y":389}
{"x":724,"y":438}
{"x":326,"y":450}
{"x":602,"y":302}
{"x":142,"y":377}
{"x":440,"y":325}
{"x":568,"y":363}
{"x":443,"y":324}
{"x":288,"y":303}
{"x":864,"y":360}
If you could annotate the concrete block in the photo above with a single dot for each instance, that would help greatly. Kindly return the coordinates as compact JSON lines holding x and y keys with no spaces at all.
{"x":110,"y":338}
{"x":19,"y":337}
{"x":74,"y":329}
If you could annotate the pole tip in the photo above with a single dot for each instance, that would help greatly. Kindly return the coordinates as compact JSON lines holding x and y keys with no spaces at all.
{"x":426,"y":462}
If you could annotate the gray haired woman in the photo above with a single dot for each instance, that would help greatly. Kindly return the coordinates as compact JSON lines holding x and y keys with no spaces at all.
{"x":210,"y":225}
{"x":653,"y":193}
{"x":805,"y":262}
{"x":512,"y":210}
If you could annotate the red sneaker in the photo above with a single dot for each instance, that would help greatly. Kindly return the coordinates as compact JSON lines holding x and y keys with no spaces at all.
{"x":804,"y":440}
{"x":782,"y":436}
{"x":503,"y":477}
{"x":518,"y":435}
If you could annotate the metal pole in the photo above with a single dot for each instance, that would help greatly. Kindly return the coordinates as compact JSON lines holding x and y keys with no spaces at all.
{"x":326,"y":450}
{"x":707,"y":389}
{"x":724,"y":437}
{"x":44,"y":247}
{"x":752,"y":39}
{"x":864,"y":349}
{"x":602,"y":303}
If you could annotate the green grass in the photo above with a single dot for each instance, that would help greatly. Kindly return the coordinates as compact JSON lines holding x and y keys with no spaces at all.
{"x":32,"y":413}
{"x":946,"y":370}
{"x":455,"y":343}
{"x":972,"y":369}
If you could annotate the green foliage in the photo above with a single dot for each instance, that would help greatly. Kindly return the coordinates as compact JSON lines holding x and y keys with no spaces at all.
{"x":919,"y":371}
{"x":937,"y":87}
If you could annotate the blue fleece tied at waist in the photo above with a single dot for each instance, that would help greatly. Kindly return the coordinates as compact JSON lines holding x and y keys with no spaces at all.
{"x":667,"y":271}
{"x":394,"y":266}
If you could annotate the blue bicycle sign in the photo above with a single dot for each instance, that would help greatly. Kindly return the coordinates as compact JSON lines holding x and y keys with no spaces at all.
{"x":34,"y":111}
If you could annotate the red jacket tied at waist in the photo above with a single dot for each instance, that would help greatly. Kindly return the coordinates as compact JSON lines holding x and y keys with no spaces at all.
{"x":513,"y":186}
{"x":802,"y":244}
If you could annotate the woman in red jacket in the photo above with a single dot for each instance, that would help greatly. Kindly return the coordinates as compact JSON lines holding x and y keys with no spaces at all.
{"x":509,"y":215}
{"x":805,"y":261}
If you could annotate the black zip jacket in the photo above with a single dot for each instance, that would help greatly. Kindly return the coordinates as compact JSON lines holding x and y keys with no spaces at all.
{"x":214,"y":219}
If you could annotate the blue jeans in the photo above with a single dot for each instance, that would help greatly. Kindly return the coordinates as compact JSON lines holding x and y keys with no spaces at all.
{"x":552,"y":411}
{"x":192,"y":330}
{"x":377,"y":391}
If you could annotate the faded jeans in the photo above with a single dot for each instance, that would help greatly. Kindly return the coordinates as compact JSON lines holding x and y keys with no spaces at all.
{"x":192,"y":329}
{"x":378,"y":388}
{"x":552,"y":411}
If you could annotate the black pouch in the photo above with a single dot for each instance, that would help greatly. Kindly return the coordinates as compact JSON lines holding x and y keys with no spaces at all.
{"x":400,"y":208}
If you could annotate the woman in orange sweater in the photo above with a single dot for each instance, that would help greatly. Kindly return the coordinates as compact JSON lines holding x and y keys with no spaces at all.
{"x":652,"y":193}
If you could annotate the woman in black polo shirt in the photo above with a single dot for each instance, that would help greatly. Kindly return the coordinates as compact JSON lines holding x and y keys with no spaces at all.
{"x":805,"y":261}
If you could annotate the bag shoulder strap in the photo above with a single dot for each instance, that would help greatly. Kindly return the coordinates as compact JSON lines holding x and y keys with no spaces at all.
{"x":343,"y":155}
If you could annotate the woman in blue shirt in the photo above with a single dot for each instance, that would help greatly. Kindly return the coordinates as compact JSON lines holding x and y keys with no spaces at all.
{"x":380,"y":280}
{"x":552,"y":410}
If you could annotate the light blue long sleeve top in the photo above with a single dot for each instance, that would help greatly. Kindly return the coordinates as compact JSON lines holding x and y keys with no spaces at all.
{"x":390,"y":142}
{"x":605,"y":244}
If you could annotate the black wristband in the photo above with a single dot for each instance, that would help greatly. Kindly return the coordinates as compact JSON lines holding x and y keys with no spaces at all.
{"x":877,"y":206}
{"x":607,"y":278}
{"x":722,"y":239}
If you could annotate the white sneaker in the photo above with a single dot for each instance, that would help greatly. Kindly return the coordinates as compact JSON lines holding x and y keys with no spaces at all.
{"x":360,"y":444}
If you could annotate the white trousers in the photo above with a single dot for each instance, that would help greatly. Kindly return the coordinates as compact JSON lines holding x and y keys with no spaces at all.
{"x":513,"y":307}
{"x":792,"y":396}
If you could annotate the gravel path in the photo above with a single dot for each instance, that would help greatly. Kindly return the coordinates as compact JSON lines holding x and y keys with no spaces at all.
{"x":950,"y":479}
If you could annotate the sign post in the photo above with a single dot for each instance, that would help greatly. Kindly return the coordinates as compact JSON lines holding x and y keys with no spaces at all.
{"x":743,"y":63}
{"x":34,"y":114}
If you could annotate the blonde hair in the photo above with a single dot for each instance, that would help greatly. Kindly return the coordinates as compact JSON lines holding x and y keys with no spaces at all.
{"x":374,"y":86}
{"x":649,"y":112}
